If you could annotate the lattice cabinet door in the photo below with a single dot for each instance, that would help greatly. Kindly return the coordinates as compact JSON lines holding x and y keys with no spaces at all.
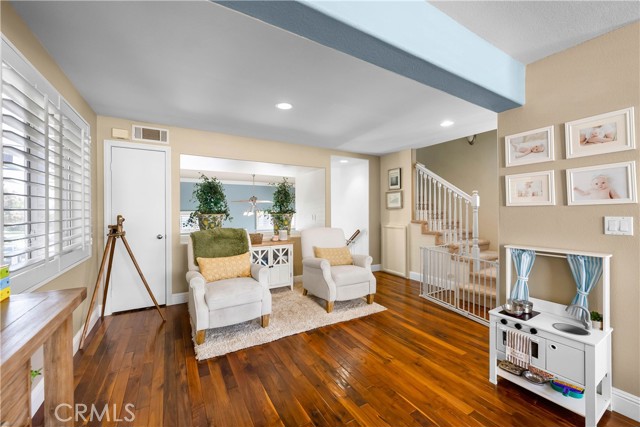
{"x":281,"y":266}
{"x":261,"y":256}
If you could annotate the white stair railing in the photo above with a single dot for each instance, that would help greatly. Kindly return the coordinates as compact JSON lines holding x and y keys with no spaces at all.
{"x":446,"y":209}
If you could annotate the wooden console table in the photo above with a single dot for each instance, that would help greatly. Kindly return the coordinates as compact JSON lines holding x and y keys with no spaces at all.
{"x":29,"y":321}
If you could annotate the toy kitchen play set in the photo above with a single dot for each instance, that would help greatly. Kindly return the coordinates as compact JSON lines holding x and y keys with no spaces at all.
{"x":549,"y":348}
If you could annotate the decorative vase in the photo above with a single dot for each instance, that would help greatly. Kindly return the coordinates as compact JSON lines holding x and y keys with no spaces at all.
{"x":596,"y":325}
{"x":281,"y":222}
{"x":210,"y":221}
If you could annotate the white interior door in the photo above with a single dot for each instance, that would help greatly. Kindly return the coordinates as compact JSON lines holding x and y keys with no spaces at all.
{"x":137,"y":179}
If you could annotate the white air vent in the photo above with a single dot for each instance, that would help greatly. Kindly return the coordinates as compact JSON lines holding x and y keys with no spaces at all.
{"x":147,"y":134}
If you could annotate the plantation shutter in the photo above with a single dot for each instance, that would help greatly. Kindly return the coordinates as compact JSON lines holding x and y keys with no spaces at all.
{"x":46,"y":177}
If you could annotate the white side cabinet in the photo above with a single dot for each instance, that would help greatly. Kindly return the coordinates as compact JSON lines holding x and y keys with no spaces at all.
{"x":279,"y":259}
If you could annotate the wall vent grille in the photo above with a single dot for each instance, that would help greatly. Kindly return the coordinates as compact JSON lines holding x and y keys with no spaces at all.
{"x":148,"y":134}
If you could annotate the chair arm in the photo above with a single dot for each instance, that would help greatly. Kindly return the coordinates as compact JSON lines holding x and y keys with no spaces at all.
{"x":198,"y":309}
{"x":261,"y":274}
{"x":362,"y":261}
{"x":319,"y":263}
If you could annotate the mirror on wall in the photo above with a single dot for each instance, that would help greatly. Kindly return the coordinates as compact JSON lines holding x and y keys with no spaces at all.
{"x":243,"y":180}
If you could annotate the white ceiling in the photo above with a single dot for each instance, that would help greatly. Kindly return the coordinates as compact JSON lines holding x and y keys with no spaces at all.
{"x":198,"y":65}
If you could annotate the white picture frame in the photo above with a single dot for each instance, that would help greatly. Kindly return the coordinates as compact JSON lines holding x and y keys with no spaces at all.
{"x":394,"y":199}
{"x":604,"y":133}
{"x":395,"y":179}
{"x":530,"y":189}
{"x":607,"y":184}
{"x":534,"y":146}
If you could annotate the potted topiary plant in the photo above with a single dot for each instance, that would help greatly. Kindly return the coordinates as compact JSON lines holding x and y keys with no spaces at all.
{"x":596,"y":320}
{"x":283,"y":208}
{"x":212,"y":204}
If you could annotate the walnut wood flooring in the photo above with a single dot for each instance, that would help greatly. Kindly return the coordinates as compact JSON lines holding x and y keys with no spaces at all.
{"x":415,"y":364}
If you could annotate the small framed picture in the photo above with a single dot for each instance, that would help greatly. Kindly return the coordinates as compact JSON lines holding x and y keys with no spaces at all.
{"x":534,"y":146}
{"x":603,"y":184}
{"x":394,"y":199}
{"x":394,"y":179}
{"x":606,"y":133}
{"x":530,"y":189}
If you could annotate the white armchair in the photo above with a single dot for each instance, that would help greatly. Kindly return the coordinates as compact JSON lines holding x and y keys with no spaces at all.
{"x":334,"y":283}
{"x":226,"y":302}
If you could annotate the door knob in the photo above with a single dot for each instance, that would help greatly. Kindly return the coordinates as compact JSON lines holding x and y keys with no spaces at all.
{"x":159,"y":236}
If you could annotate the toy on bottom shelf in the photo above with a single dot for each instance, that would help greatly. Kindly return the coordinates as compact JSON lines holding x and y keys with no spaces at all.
{"x":567,"y":389}
{"x":5,"y":283}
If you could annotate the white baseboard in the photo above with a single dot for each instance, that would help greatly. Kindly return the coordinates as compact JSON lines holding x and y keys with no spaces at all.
{"x":415,"y":276}
{"x":37,"y":393}
{"x":626,"y":404}
{"x":92,"y":322}
{"x":180,"y":298}
{"x":376,"y":267}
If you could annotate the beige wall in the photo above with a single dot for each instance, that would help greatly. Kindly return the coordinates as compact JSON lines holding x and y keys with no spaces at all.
{"x":470,"y":167}
{"x":598,"y":76}
{"x":397,"y":217}
{"x":17,"y":32}
{"x":202,"y":143}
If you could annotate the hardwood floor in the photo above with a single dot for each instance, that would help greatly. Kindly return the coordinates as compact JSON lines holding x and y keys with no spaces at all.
{"x":415,"y":364}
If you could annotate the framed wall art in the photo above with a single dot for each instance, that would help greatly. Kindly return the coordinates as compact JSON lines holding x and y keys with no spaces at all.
{"x":602,"y":184}
{"x":605,"y":133}
{"x":394,"y":199}
{"x":395,"y":182}
{"x":534,"y":146}
{"x":530,"y":189}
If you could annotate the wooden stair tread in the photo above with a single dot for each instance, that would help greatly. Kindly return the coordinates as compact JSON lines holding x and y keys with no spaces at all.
{"x":490,"y":291}
{"x":490,"y":273}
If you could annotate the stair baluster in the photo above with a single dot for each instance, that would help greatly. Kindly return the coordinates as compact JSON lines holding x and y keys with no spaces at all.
{"x":440,"y":205}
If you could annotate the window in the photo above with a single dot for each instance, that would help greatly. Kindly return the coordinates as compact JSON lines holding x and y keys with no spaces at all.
{"x":46,"y":177}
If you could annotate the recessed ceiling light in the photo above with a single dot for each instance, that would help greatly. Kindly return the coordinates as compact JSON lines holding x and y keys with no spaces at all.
{"x":446,"y":123}
{"x":284,"y":106}
{"x":344,"y":161}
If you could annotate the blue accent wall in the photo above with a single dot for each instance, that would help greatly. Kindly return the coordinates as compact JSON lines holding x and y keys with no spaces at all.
{"x":233,"y":192}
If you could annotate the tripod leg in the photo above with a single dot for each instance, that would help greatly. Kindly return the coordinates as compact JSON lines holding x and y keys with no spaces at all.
{"x":106,"y":283}
{"x":133,"y":258}
{"x":95,"y":290}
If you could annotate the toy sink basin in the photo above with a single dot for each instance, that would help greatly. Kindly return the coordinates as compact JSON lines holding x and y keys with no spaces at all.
{"x":571,"y":329}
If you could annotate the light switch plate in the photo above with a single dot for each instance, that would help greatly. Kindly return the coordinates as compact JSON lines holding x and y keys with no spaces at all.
{"x":618,"y":225}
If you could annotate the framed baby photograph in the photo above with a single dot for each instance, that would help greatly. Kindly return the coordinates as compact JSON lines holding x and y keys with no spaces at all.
{"x":530,"y":189}
{"x":394,"y":179}
{"x":602,"y":184}
{"x":606,"y":133}
{"x":534,"y":146}
{"x":394,"y":199}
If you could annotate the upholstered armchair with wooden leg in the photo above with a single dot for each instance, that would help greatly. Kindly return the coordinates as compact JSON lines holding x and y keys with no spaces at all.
{"x":236,"y":291}
{"x":330,"y":271}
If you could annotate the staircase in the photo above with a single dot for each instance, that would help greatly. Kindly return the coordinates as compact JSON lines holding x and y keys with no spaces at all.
{"x":460,"y":271}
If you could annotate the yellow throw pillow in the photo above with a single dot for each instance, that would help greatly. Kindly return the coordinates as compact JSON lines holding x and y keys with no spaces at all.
{"x":335,"y":256}
{"x":229,"y":267}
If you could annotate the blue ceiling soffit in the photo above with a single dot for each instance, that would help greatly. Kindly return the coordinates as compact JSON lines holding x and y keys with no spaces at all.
{"x":410,"y":38}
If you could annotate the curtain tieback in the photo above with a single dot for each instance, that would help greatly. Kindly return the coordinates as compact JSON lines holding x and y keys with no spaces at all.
{"x":583,"y":293}
{"x":523,"y":278}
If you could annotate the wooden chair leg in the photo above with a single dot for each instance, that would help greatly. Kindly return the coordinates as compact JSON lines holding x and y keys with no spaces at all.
{"x":199,"y":337}
{"x":329,"y":306}
{"x":370,"y":298}
{"x":264,"y":321}
{"x":305,"y":292}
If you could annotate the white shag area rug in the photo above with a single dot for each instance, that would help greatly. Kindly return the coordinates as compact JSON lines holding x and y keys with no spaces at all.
{"x":291,"y":314}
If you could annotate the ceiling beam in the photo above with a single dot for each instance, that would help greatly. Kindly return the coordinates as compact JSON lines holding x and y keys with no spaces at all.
{"x":410,"y":38}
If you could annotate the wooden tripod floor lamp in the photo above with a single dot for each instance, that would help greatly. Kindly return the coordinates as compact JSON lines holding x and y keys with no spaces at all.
{"x":115,"y":232}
